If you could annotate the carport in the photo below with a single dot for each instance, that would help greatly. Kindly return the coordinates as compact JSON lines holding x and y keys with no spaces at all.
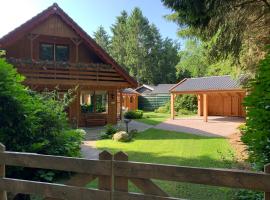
{"x":217,"y":96}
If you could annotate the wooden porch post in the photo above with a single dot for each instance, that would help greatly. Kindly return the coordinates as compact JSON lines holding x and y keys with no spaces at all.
{"x":200,"y":104}
{"x":78,"y":106}
{"x":205,"y":108}
{"x":172,"y":106}
{"x":121,"y":103}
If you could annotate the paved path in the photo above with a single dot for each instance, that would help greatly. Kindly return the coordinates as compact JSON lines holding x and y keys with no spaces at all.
{"x":88,"y":148}
{"x":215,"y":127}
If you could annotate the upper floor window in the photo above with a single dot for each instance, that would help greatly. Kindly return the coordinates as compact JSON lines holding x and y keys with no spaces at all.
{"x":54,"y":52}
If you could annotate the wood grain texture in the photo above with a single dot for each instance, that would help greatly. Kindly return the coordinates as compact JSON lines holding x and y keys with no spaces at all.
{"x":121,"y":183}
{"x":78,"y":165}
{"x":136,"y":196}
{"x":148,"y":187}
{"x":105,"y":182}
{"x":52,"y":190}
{"x":3,"y":194}
{"x":206,"y":176}
{"x":267,"y":170}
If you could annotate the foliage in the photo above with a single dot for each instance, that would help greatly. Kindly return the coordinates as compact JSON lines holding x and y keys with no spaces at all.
{"x":183,"y":112}
{"x":185,"y":101}
{"x":234,"y":27}
{"x":138,"y":46}
{"x":248,"y":194}
{"x":132,"y":133}
{"x":257,"y":134}
{"x":102,"y":38}
{"x":133,"y":114}
{"x":164,"y":109}
{"x":32,"y":122}
{"x":174,"y":148}
{"x":110,"y":129}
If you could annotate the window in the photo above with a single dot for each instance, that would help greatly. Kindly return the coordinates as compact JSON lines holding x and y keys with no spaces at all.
{"x":46,"y":52}
{"x":94,"y":101}
{"x":54,"y":52}
{"x":61,"y":53}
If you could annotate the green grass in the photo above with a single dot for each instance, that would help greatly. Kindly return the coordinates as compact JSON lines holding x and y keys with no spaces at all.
{"x":153,"y":118}
{"x":166,"y":147}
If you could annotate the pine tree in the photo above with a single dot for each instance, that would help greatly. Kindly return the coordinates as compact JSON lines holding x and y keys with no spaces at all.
{"x":102,"y":38}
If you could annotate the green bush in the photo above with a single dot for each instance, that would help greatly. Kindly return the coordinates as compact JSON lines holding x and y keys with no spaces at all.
{"x":248,"y":194}
{"x":185,"y":112}
{"x":110,"y":129}
{"x":137,"y":114}
{"x":31,"y":122}
{"x":187,"y":102}
{"x":257,"y":134}
{"x":164,"y":109}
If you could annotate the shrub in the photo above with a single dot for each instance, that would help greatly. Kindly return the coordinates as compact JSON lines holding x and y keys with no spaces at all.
{"x":186,"y":101}
{"x":103,"y":136}
{"x":31,"y":122}
{"x":133,"y":133}
{"x":110,"y":129}
{"x":185,"y":112}
{"x":138,"y":114}
{"x":164,"y":109}
{"x":257,"y":134}
{"x":248,"y":194}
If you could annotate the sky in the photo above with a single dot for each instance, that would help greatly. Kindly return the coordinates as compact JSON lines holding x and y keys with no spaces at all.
{"x":89,"y":14}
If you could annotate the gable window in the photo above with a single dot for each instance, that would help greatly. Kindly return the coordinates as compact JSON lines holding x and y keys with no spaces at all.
{"x":54,"y":52}
{"x":46,"y":52}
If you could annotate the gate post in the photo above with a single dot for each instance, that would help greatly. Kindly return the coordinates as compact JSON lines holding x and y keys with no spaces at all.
{"x":105,"y":182}
{"x":120,"y":183}
{"x":3,"y":194}
{"x":267,"y":171}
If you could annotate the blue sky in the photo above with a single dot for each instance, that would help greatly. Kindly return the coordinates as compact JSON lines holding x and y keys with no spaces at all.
{"x":89,"y":14}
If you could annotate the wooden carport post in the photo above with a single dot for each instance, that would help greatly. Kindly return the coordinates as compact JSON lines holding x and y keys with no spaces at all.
{"x":205,"y":107}
{"x":172,"y":106}
{"x":200,"y":104}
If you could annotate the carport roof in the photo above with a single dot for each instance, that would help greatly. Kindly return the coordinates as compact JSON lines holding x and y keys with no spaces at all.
{"x":211,"y":83}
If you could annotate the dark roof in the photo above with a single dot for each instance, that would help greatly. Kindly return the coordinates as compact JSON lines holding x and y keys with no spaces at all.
{"x":56,"y":10}
{"x":162,"y":88}
{"x":155,"y":89}
{"x":130,"y":91}
{"x":207,"y":83}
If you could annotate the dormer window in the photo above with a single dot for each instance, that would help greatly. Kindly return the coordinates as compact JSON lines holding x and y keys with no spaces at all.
{"x":54,"y":52}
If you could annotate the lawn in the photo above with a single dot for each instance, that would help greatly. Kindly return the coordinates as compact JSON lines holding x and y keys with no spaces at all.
{"x":153,"y":118}
{"x":158,"y":146}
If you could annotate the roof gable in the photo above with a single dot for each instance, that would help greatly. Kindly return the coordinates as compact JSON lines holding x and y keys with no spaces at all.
{"x":19,"y":32}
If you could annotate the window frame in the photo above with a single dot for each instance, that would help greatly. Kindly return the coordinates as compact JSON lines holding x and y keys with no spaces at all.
{"x":54,"y":51}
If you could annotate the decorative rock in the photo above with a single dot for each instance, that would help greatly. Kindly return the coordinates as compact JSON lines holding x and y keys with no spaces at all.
{"x":121,"y":136}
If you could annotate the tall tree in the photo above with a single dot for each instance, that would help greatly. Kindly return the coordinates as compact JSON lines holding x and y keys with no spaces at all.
{"x":102,"y":38}
{"x":119,"y":39}
{"x":236,"y":27}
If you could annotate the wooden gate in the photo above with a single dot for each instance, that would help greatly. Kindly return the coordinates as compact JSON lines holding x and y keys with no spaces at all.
{"x":113,"y":173}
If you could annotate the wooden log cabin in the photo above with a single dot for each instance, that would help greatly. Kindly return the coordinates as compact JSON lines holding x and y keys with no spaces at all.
{"x":51,"y":50}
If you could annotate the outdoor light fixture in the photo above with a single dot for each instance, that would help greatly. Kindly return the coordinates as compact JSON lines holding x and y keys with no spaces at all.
{"x":126,"y":122}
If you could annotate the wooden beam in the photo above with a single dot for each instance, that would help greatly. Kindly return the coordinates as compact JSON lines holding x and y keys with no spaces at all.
{"x":3,"y":194}
{"x":172,"y":106}
{"x":121,"y":103}
{"x":200,"y":104}
{"x":205,"y":107}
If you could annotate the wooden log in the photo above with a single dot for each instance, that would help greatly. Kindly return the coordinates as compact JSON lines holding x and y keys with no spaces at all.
{"x":205,"y":107}
{"x":172,"y":106}
{"x":121,"y":183}
{"x":3,"y":194}
{"x":78,"y":165}
{"x":52,"y":190}
{"x":148,"y":187}
{"x":135,"y":196}
{"x":267,"y":170}
{"x":105,"y":182}
{"x":207,"y":176}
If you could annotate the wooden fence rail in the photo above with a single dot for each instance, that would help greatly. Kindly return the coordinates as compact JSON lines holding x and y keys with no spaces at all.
{"x":113,"y":173}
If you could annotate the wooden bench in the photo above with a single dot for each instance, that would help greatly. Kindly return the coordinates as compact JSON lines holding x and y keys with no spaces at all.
{"x":95,"y":120}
